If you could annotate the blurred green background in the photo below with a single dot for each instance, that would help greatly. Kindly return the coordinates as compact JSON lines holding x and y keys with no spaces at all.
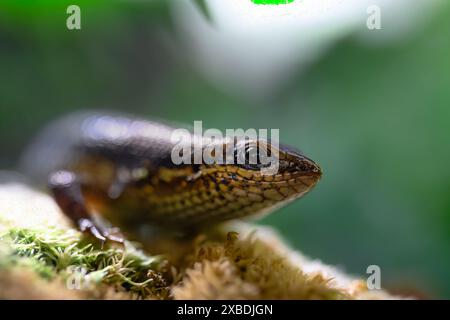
{"x":377,"y":119}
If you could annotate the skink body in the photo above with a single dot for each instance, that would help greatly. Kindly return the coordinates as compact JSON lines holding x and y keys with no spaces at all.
{"x":121,"y":167}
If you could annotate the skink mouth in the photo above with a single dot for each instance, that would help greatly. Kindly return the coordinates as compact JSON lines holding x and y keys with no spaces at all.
{"x":303,"y":169}
{"x":299,"y":164}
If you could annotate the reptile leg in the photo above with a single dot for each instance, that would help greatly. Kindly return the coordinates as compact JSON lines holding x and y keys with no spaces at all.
{"x":67,"y":193}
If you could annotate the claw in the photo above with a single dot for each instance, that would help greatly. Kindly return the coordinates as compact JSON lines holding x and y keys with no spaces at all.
{"x":103,"y":235}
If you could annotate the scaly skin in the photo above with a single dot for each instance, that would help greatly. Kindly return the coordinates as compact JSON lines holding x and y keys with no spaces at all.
{"x":120,"y":167}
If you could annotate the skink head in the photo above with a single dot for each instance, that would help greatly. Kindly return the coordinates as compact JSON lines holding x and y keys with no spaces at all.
{"x":282,"y":172}
{"x":262,"y":178}
{"x":255,"y":178}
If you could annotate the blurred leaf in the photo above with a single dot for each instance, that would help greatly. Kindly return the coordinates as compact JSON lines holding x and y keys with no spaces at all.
{"x":203,"y":7}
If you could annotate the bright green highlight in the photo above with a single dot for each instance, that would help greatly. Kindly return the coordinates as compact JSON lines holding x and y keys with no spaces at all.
{"x":272,"y":2}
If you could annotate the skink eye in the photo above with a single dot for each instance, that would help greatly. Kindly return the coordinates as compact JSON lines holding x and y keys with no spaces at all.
{"x":250,"y":157}
{"x":251,"y":154}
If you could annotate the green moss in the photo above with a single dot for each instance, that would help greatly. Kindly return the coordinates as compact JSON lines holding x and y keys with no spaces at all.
{"x":53,"y":253}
